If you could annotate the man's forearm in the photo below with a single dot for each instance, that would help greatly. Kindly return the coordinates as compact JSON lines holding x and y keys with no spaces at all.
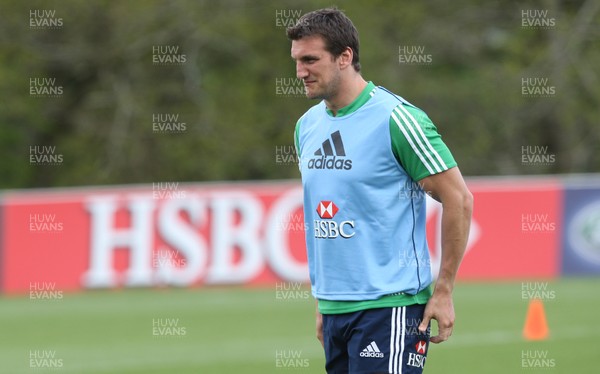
{"x":319,"y":324}
{"x":456,"y":221}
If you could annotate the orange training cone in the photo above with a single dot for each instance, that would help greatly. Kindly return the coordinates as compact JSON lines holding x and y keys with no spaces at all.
{"x":536,"y":327}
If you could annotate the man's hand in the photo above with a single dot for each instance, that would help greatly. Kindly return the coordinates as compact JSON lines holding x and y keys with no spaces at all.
{"x":440,"y":308}
{"x":319,"y":326}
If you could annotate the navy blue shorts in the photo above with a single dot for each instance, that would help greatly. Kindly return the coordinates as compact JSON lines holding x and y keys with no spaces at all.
{"x":383,"y":340}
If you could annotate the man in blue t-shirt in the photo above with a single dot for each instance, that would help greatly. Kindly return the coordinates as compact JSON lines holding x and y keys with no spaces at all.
{"x":368,"y":158}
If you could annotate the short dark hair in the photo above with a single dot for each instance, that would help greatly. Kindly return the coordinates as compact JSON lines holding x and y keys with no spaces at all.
{"x":333,"y":26}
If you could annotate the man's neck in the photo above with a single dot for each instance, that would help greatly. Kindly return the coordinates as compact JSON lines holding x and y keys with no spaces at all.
{"x":347,"y":94}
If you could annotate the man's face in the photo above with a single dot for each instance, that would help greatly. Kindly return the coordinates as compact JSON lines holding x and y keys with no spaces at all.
{"x":316,"y":67}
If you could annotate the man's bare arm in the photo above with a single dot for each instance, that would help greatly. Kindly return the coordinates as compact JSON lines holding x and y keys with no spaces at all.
{"x":319,"y":320}
{"x":450,"y":189}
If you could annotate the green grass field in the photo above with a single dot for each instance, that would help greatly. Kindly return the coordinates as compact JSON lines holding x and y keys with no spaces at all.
{"x":241,"y":330}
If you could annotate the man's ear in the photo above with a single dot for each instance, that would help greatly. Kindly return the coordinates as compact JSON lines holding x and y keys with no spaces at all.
{"x":345,"y":58}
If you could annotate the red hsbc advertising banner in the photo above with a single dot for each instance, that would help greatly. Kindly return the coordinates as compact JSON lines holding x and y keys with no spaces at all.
{"x":175,"y":234}
{"x":515,"y":231}
{"x":166,"y":234}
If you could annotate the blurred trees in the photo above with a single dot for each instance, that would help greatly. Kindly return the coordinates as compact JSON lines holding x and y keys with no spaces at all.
{"x":218,"y":79}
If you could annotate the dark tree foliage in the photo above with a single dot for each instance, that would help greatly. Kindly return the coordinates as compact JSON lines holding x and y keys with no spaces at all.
{"x":185,"y":90}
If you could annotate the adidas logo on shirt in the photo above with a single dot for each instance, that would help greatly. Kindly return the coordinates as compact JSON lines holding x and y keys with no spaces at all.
{"x":326,"y":150}
{"x":372,"y":350}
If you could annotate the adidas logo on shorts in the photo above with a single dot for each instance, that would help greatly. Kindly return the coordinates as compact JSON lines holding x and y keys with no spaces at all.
{"x":372,"y":350}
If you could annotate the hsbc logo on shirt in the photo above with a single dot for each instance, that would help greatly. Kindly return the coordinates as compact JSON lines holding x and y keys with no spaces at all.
{"x":327,"y":209}
{"x":327,"y":228}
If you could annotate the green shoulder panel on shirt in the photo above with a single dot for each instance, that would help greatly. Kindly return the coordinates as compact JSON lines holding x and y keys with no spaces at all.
{"x":388,"y":301}
{"x":416,"y":143}
{"x":296,"y":140}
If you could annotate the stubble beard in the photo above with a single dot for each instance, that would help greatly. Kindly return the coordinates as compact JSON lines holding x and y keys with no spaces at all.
{"x":329,"y":91}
